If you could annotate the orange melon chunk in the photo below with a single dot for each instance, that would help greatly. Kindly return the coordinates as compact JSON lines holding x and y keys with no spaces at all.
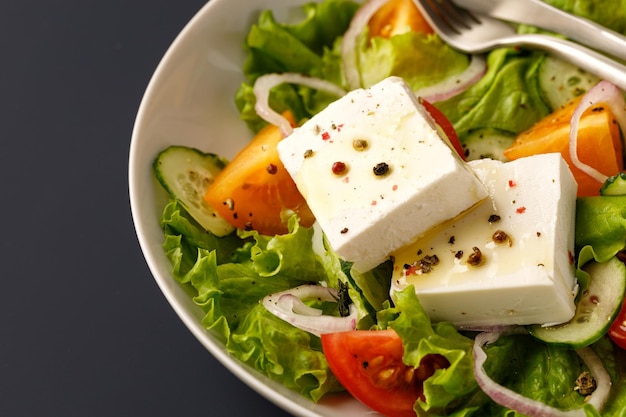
{"x":599,"y":142}
{"x":396,"y":17}
{"x":255,"y":191}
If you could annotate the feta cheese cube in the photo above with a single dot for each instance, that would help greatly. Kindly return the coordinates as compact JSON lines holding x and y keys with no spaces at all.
{"x":525,"y":236}
{"x":376,"y":173}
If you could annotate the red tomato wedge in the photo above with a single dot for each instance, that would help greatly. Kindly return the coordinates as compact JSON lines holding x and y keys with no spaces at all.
{"x":255,"y":191}
{"x":368,"y":363}
{"x":445,"y":125}
{"x":398,"y":16}
{"x":617,"y":331}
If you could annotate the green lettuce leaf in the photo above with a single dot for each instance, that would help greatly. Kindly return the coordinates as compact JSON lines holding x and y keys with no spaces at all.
{"x":421,"y":60}
{"x":519,"y":362}
{"x":367,"y":291}
{"x":309,"y":46}
{"x":283,"y":352}
{"x":227,"y":278}
{"x":535,"y":370}
{"x":614,"y":360}
{"x":288,"y":256}
{"x":600,"y":226}
{"x":611,"y":14}
{"x":507,"y":98}
{"x":273,"y":48}
{"x":374,"y":284}
{"x":183,"y":237}
{"x":420,"y":338}
{"x":600,"y":231}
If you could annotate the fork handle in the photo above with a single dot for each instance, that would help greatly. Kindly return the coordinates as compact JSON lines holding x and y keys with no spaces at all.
{"x":544,"y":15}
{"x":585,"y":58}
{"x":580,"y":29}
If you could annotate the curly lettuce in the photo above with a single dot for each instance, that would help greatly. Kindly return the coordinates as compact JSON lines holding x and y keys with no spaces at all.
{"x":227,"y":278}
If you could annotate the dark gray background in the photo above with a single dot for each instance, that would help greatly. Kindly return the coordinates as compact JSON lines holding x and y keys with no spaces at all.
{"x":84,"y":330}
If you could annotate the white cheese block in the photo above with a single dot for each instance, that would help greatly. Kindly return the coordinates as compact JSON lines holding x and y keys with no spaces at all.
{"x":526,"y":275}
{"x":420,"y":181}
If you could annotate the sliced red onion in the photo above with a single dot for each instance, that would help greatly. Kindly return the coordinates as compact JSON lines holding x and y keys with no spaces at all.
{"x":265,"y":83}
{"x":294,"y":304}
{"x":456,"y":84}
{"x":603,"y":380}
{"x":349,"y":41}
{"x":288,"y":306}
{"x":532,"y":408}
{"x":603,"y":92}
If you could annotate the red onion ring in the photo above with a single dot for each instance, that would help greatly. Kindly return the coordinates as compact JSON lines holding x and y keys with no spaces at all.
{"x":455,"y":84}
{"x":603,"y":92}
{"x":288,"y":306}
{"x":265,"y":83}
{"x":603,"y":380}
{"x":349,"y":41}
{"x":532,"y":408}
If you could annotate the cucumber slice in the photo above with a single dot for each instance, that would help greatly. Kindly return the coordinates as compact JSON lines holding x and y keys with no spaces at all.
{"x":615,"y":185}
{"x":185,"y":173}
{"x":561,"y":81}
{"x":486,"y":143}
{"x":597,"y":308}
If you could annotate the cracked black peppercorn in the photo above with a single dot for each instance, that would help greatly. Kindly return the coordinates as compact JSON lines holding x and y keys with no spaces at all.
{"x":381,"y":169}
{"x":494,"y":218}
{"x":585,"y":384}
{"x":500,"y":236}
{"x":424,"y":265}
{"x":476,"y":257}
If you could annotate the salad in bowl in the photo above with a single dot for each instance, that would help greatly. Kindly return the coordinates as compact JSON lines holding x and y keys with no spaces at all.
{"x":333,"y":295}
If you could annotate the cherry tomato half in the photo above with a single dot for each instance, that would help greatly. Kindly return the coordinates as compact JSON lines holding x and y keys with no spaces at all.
{"x":617,"y":331}
{"x":445,"y":125}
{"x":368,"y":363}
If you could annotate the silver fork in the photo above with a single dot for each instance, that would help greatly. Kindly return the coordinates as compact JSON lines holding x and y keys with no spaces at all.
{"x":475,"y":33}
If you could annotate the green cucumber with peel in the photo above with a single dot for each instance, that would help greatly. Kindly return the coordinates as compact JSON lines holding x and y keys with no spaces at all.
{"x":614,"y":185}
{"x":596,"y":309}
{"x":487,"y":143}
{"x":561,"y":81}
{"x":186,"y":173}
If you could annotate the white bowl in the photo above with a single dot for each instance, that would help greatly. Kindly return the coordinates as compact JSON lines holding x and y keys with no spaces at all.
{"x":190,"y":101}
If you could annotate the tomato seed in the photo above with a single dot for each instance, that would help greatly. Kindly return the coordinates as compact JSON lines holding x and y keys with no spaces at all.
{"x":386,"y":378}
{"x":377,"y":361}
{"x":409,"y":375}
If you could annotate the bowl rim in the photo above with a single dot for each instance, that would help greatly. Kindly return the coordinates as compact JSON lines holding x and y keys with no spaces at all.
{"x":271,"y":390}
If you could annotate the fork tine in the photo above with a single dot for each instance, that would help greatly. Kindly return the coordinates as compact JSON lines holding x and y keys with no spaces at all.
{"x":433,"y":14}
{"x":445,"y":15}
{"x":460,"y":16}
